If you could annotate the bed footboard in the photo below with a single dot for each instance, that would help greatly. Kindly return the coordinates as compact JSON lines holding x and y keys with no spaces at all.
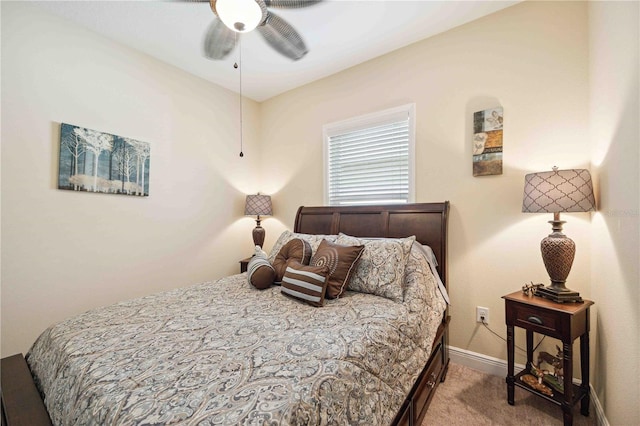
{"x":21,"y":402}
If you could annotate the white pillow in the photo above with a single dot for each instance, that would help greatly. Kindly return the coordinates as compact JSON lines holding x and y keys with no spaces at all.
{"x":431,"y":259}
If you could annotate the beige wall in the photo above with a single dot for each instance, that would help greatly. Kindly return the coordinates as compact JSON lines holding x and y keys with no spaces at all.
{"x":615,"y":138}
{"x":531,"y":59}
{"x":65,"y":252}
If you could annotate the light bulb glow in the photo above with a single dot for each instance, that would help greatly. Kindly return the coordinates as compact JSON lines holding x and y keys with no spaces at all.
{"x":239,"y":15}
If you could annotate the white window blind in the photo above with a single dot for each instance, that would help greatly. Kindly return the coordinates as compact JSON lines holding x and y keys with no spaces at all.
{"x":369,"y":159}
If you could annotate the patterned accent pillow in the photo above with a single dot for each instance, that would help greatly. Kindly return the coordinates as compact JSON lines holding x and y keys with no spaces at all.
{"x":297,"y":249}
{"x":341,"y":261}
{"x":381,"y":267}
{"x":287,"y":236}
{"x":260,"y":273}
{"x":307,"y":283}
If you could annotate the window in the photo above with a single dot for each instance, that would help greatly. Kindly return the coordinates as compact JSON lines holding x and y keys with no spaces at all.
{"x":370,"y":159}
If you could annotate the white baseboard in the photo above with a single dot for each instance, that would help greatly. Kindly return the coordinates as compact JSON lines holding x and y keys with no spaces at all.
{"x":480,"y":362}
{"x":498,"y":367}
{"x":601,"y":419}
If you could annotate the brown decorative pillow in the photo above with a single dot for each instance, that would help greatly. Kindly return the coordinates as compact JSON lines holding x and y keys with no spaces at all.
{"x":341,"y":261}
{"x":296,"y":249}
{"x":307,"y":283}
{"x":286,"y":236}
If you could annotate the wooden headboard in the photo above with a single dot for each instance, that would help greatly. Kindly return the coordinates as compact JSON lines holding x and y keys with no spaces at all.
{"x":427,"y":221}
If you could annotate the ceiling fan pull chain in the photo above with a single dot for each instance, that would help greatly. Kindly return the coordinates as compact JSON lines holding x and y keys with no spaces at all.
{"x":236,"y":66}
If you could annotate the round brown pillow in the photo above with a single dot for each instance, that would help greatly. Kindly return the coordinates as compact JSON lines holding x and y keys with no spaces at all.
{"x":297,"y":249}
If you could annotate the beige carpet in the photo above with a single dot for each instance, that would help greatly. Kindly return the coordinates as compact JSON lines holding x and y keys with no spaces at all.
{"x":469,"y":397}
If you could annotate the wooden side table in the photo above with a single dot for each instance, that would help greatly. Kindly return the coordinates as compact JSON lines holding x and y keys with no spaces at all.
{"x":563,"y":321}
{"x":244,"y":263}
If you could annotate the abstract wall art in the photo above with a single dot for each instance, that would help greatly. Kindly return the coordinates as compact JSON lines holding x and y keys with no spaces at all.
{"x":94,"y":161}
{"x":487,"y":142}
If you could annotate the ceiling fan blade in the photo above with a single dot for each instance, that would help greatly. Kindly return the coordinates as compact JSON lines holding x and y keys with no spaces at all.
{"x":290,"y":4}
{"x":282,"y":37}
{"x":219,"y":40}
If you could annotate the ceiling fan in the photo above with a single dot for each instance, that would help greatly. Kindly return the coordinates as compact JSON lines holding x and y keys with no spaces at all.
{"x":241,"y":16}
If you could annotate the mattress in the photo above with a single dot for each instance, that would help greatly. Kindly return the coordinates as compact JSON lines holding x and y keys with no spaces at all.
{"x":223,"y":352}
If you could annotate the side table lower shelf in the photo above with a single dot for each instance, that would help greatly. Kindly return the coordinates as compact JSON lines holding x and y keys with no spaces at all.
{"x":557,"y":398}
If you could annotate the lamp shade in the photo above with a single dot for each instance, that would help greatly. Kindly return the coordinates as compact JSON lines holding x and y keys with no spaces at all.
{"x":558,"y":191}
{"x":258,"y":205}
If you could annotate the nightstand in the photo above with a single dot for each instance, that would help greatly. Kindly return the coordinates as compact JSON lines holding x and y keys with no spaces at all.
{"x":244,"y":263}
{"x":563,"y":321}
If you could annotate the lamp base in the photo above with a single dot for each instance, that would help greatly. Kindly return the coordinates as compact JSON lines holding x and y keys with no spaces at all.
{"x":559,"y":295}
{"x":558,"y":252}
{"x":258,"y":235}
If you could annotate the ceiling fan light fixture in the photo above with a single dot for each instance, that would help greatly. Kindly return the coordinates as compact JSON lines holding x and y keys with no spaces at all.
{"x":240,"y":15}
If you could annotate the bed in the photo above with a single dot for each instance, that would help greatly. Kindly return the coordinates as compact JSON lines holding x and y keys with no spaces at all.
{"x":226,"y":353}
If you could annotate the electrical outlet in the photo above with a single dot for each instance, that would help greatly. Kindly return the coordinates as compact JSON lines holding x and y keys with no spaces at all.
{"x":482,"y":313}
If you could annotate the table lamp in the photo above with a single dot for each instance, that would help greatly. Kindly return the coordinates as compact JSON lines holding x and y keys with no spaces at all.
{"x":558,"y":191}
{"x":258,"y":205}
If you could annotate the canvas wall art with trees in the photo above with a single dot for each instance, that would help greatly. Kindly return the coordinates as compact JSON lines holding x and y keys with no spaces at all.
{"x":95,"y":161}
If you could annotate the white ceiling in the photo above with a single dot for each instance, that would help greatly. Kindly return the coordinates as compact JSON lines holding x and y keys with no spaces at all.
{"x":338,"y":33}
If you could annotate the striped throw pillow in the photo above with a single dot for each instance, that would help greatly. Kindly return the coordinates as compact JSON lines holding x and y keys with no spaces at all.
{"x":307,"y":283}
{"x":260,"y":273}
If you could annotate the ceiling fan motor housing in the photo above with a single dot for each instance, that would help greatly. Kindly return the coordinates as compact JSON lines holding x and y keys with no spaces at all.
{"x":240,"y":15}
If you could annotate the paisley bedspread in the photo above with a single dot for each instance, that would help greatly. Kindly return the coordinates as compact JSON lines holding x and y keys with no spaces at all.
{"x":224,"y":353}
